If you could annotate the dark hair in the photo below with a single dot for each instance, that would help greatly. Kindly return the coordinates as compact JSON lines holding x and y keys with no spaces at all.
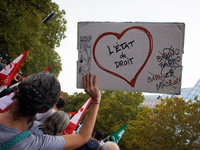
{"x":99,"y":134}
{"x":55,"y":123}
{"x":38,"y":92}
{"x":60,"y":103}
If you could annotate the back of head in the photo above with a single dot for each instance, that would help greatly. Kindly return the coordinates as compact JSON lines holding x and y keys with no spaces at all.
{"x":37,"y":93}
{"x":60,"y":103}
{"x":110,"y":146}
{"x":55,"y":123}
{"x":99,"y":134}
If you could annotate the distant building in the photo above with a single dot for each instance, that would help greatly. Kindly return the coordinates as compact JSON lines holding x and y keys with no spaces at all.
{"x":186,"y":93}
{"x":150,"y":102}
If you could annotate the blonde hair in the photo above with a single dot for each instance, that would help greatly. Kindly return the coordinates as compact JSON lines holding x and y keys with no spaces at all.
{"x":110,"y":145}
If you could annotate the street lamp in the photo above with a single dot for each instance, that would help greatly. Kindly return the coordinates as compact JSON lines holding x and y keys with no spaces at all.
{"x":47,"y":18}
{"x":49,"y":15}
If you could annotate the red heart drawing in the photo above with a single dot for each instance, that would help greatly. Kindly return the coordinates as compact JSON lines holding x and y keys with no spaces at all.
{"x":133,"y":80}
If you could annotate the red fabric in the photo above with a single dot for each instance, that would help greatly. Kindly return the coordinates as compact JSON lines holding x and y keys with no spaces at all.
{"x":71,"y":113}
{"x":45,"y":70}
{"x":69,"y":130}
{"x":22,"y":77}
{"x":75,"y":119}
{"x":62,"y":95}
{"x":6,"y":102}
{"x":8,"y":107}
{"x":7,"y":74}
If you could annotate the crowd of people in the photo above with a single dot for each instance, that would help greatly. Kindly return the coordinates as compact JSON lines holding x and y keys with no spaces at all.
{"x":4,"y":61}
{"x":36,"y":119}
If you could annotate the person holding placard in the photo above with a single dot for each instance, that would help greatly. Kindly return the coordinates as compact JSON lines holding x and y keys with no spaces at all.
{"x":38,"y":93}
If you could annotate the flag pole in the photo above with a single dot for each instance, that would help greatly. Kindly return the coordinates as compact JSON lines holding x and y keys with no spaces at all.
{"x":106,"y":138}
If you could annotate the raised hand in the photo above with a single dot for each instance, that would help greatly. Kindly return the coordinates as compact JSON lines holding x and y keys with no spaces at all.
{"x":91,"y":88}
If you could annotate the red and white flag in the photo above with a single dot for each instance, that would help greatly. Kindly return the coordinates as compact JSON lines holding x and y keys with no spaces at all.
{"x":45,"y":70}
{"x":62,"y":95}
{"x":75,"y":119}
{"x":7,"y":74}
{"x":6,"y":102}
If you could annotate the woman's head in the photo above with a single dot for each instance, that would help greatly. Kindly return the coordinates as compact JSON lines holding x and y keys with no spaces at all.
{"x":55,"y":123}
{"x":37,"y":93}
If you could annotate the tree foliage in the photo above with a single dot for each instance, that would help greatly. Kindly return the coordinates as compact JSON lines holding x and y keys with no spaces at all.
{"x":117,"y":108}
{"x":75,"y":101}
{"x":21,"y":28}
{"x":173,"y":124}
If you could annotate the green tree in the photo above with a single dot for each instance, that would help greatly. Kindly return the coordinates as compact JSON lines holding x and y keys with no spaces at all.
{"x":117,"y":108}
{"x":173,"y":124}
{"x":75,"y":101}
{"x":135,"y":136}
{"x":21,"y":28}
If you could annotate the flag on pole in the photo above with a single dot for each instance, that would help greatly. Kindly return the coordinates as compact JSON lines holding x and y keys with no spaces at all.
{"x":62,"y":95}
{"x":6,"y":102}
{"x":45,"y":70}
{"x":7,"y":74}
{"x":75,"y":119}
{"x":116,"y":136}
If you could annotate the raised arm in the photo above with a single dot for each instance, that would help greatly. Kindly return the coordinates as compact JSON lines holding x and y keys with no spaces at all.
{"x":84,"y":134}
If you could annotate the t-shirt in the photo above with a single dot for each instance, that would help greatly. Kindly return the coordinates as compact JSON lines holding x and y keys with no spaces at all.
{"x":35,"y":127}
{"x":42,"y":116}
{"x":34,"y":141}
{"x":90,"y":145}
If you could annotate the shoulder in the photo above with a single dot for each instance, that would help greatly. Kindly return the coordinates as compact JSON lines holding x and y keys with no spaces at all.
{"x":35,"y":128}
{"x":93,"y":144}
{"x":33,"y":141}
{"x":41,"y":141}
{"x":90,"y":145}
{"x":42,"y":116}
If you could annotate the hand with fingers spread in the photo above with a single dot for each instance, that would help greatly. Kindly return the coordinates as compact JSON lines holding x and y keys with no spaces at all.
{"x":90,"y":87}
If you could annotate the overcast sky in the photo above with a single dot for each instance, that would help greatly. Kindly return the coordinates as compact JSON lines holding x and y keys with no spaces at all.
{"x":130,"y":11}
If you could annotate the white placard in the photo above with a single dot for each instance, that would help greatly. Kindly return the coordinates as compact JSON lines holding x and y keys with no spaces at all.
{"x":132,"y":56}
